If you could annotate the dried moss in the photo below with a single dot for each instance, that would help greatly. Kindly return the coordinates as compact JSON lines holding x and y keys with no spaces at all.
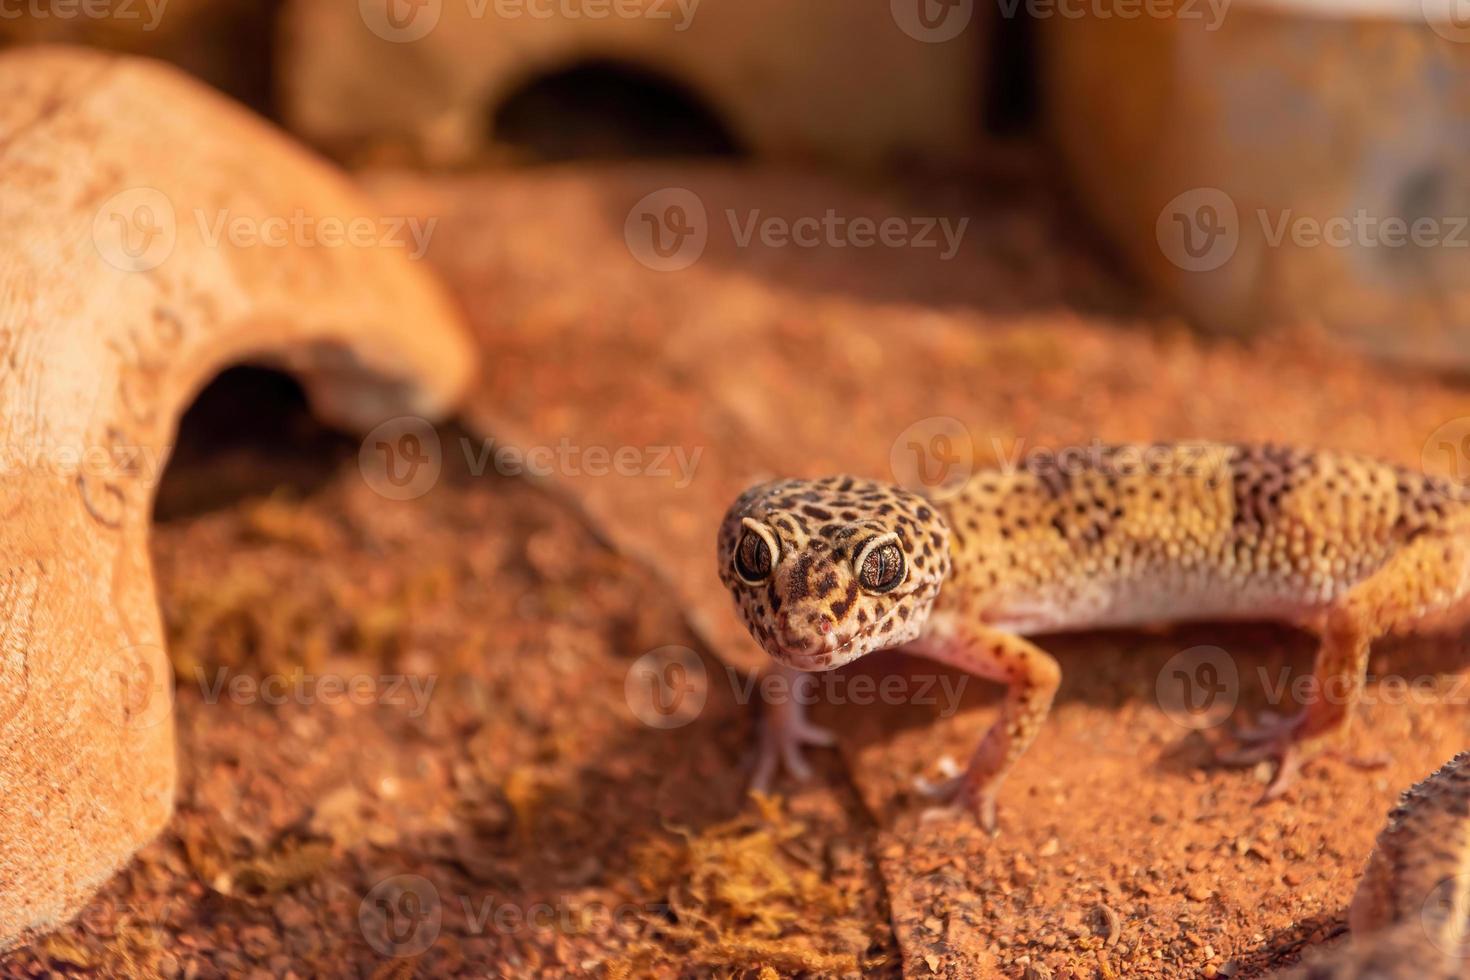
{"x":279,"y":521}
{"x":745,"y":900}
{"x":263,"y":613}
{"x":292,"y":863}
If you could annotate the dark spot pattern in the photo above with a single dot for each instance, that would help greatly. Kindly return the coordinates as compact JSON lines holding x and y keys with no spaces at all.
{"x":816,"y":609}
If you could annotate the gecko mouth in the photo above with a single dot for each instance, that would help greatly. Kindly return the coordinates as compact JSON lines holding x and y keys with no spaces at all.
{"x":825,"y":658}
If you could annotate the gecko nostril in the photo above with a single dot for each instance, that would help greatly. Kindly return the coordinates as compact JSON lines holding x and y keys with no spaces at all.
{"x":826,"y":627}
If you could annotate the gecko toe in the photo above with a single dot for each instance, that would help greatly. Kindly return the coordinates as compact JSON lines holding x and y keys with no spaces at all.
{"x":783,"y":735}
{"x":765,"y":770}
{"x":815,"y":735}
{"x":1288,"y":767}
{"x":794,"y":762}
{"x":1269,"y":728}
{"x":1381,"y":759}
{"x":985,"y":812}
{"x":1237,"y":755}
{"x":959,"y":793}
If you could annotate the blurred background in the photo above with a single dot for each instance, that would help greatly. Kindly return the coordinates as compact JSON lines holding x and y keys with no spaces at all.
{"x":744,"y":238}
{"x":1254,"y":161}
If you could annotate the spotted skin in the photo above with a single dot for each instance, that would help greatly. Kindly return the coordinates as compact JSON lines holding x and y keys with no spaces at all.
{"x":1422,"y":855}
{"x":1401,"y":952}
{"x":811,"y":613}
{"x":1410,"y":916}
{"x":1098,"y":537}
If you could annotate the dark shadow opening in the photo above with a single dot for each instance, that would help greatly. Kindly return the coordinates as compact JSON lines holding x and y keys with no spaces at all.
{"x":232,"y":45}
{"x":607,"y":110}
{"x":249,"y":433}
{"x":1012,"y":97}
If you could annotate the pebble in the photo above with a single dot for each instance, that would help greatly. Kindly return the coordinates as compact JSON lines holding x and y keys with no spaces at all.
{"x":1023,"y":871}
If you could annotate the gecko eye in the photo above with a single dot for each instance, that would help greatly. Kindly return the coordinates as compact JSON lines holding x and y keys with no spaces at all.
{"x":880,"y":565}
{"x":756,"y":554}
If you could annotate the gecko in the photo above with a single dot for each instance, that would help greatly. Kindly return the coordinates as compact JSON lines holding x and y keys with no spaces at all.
{"x":825,"y":571}
{"x":1410,"y":916}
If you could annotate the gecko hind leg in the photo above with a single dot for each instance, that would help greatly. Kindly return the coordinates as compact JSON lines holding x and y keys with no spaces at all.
{"x":1428,"y":575}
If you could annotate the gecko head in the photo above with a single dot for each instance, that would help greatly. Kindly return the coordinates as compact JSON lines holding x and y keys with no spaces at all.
{"x":825,"y":571}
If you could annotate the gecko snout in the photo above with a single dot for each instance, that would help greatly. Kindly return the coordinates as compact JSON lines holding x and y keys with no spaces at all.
{"x":806,"y":629}
{"x":822,"y":622}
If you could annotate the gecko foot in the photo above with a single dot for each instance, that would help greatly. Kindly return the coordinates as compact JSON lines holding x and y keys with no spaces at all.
{"x":1291,"y":752}
{"x":1290,"y":742}
{"x":784,"y":732}
{"x":962,"y":791}
{"x":1274,"y":739}
{"x":1283,"y":750}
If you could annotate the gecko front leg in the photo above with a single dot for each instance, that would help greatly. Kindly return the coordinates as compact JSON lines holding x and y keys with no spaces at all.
{"x":1031,"y":676}
{"x":784,"y":728}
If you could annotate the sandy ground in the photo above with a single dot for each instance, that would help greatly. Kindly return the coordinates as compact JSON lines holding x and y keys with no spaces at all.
{"x":540,"y":810}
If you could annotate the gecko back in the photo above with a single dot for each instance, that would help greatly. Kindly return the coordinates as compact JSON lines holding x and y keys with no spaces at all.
{"x":1122,"y":535}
